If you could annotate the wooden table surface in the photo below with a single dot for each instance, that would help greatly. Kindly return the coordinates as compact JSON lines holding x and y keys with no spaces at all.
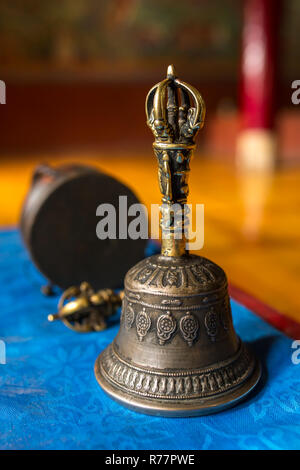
{"x":252,"y":224}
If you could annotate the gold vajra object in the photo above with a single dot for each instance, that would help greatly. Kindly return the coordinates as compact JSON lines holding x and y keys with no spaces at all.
{"x":84,"y":310}
{"x":176,"y":353}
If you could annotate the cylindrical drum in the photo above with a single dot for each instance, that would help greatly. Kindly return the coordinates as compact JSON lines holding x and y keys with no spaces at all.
{"x":58,"y":225}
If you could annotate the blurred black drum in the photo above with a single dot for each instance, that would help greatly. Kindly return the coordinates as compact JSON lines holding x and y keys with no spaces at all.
{"x":58,"y":225}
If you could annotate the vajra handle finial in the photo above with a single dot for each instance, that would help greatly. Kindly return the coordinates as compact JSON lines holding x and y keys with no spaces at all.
{"x":175,"y":113}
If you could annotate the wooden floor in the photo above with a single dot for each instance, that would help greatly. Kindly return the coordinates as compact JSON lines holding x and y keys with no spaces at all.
{"x":252,"y":224}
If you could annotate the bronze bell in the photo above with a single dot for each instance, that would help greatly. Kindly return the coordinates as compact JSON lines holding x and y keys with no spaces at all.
{"x":176,"y":353}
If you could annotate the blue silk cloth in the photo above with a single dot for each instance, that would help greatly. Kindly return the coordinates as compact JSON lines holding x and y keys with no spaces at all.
{"x":49,"y":397}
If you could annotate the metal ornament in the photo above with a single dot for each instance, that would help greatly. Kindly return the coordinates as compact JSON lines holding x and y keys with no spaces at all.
{"x":176,"y":353}
{"x":82,"y":309}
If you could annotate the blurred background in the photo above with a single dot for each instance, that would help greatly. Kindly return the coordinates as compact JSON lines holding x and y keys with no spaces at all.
{"x":77,"y":70}
{"x":77,"y":73}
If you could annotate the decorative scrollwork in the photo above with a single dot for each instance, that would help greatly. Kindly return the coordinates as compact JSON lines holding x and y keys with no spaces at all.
{"x":198,"y":274}
{"x":181,"y":384}
{"x":160,"y":128}
{"x":189,"y":328}
{"x":143,"y":323}
{"x":203,"y":274}
{"x":144,"y":274}
{"x":172,"y":277}
{"x":129,"y":317}
{"x":166,"y":325}
{"x":211,"y":323}
{"x":191,"y":126}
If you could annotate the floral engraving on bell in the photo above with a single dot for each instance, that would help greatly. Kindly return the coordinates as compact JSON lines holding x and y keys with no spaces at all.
{"x":173,"y":302}
{"x":166,"y":325}
{"x":189,"y":328}
{"x":143,"y":323}
{"x":129,"y":317}
{"x":203,"y":274}
{"x":211,"y":323}
{"x":172,"y":278}
{"x":195,"y":275}
{"x":144,"y":275}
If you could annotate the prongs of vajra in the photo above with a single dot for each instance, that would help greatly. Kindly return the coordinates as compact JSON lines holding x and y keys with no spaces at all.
{"x":71,"y":316}
{"x":171,"y":72}
{"x":53,"y":316}
{"x":184,"y":107}
{"x":172,"y":109}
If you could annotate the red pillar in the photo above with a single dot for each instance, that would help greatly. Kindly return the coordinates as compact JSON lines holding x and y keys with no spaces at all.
{"x":257,"y":145}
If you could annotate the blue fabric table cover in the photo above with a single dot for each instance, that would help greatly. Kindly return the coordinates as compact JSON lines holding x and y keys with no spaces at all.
{"x":49,"y":397}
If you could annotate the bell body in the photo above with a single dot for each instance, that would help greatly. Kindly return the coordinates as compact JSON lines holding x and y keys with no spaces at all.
{"x":176,"y":353}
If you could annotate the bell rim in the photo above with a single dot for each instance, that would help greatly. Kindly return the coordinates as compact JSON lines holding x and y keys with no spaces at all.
{"x":180,"y":408}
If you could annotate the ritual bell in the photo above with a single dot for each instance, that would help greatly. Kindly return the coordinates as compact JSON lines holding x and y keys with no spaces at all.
{"x":176,"y":352}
